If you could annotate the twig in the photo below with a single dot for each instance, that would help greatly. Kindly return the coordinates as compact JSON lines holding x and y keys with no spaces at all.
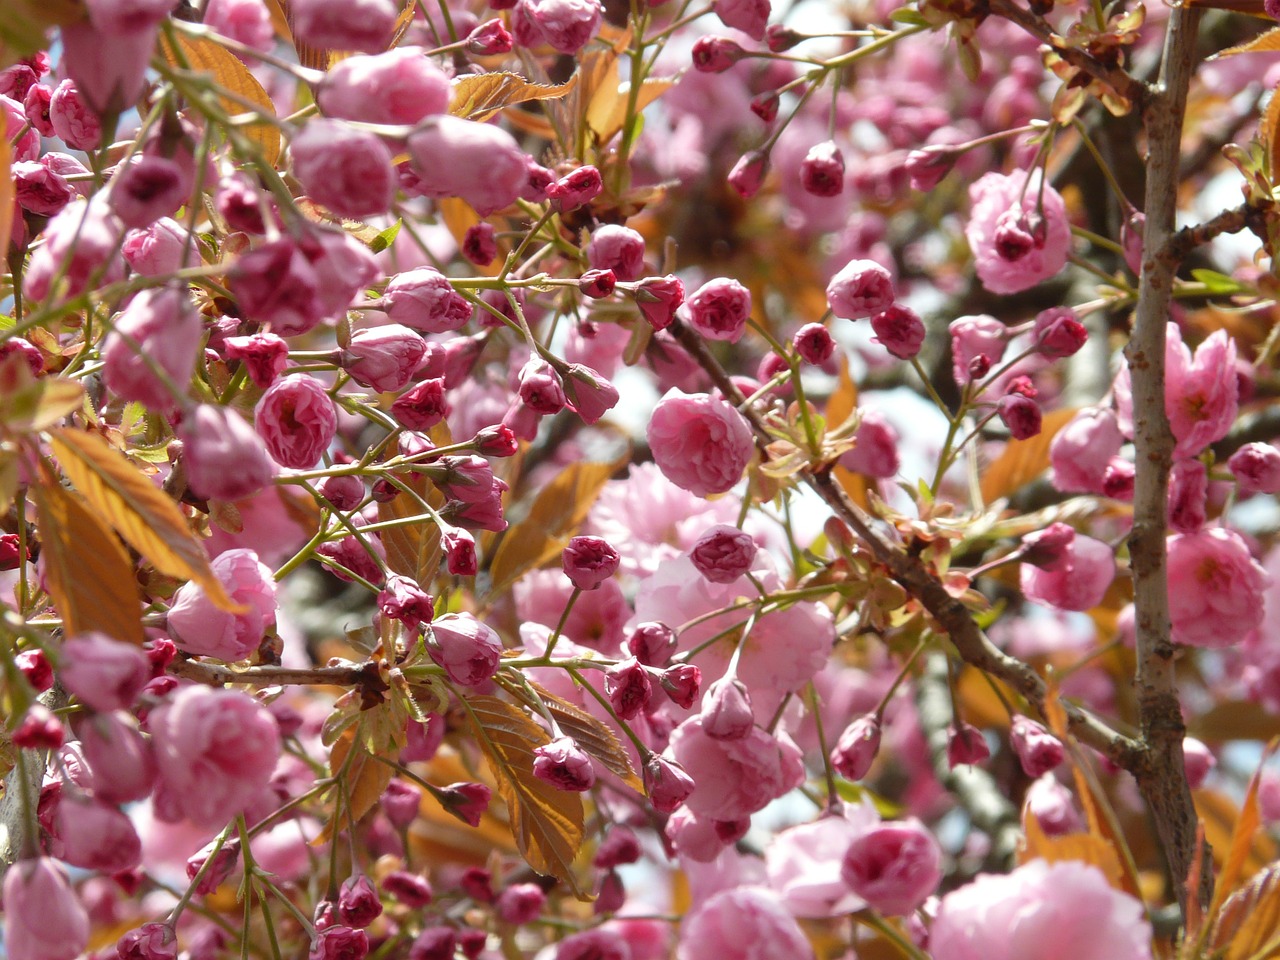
{"x":1160,"y":772}
{"x":365,"y":675}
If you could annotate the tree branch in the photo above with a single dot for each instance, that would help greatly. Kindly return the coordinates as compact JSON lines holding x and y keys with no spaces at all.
{"x":1160,"y":773}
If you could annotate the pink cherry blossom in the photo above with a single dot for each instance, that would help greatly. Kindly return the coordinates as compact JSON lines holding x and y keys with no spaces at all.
{"x":804,"y":862}
{"x":199,"y":627}
{"x":1215,"y":588}
{"x":1079,"y":583}
{"x":735,"y":778}
{"x":744,"y":923}
{"x":894,"y":867}
{"x":700,"y":442}
{"x":1018,"y":232}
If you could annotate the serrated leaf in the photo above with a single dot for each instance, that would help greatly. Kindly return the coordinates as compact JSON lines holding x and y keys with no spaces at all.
{"x":547,"y":823}
{"x":207,"y":56}
{"x":413,"y":550}
{"x":1243,"y":852}
{"x":88,"y":572}
{"x":1248,"y":924}
{"x":607,"y":112}
{"x":377,"y":732}
{"x":592,"y":735}
{"x":1023,"y":460}
{"x":1268,"y":42}
{"x":28,"y":404}
{"x":480,"y":96}
{"x":557,"y":512}
{"x":141,"y":514}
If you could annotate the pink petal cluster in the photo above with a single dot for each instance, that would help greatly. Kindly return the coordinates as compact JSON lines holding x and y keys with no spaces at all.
{"x":1201,"y":392}
{"x":743,"y":923}
{"x":1078,"y":582}
{"x":735,"y":778}
{"x":201,"y":628}
{"x":1018,"y":232}
{"x":700,"y":442}
{"x":1216,"y":588}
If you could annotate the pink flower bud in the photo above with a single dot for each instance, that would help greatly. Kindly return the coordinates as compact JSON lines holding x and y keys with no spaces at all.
{"x":466,"y":801}
{"x":1082,"y":450}
{"x":597,"y":284}
{"x":712,"y":54}
{"x":893,"y":866}
{"x":765,"y":105}
{"x":460,"y":552}
{"x":277,"y":285}
{"x":628,"y":688}
{"x":723,"y":553}
{"x":666,"y":783}
{"x":541,"y":389}
{"x":861,"y":288}
{"x":1118,"y":480}
{"x":589,"y":561}
{"x":246,"y":21}
{"x":488,"y":39}
{"x":384,"y":358}
{"x":264,"y":356}
{"x":28,"y":351}
{"x":520,"y":903}
{"x":1188,"y":493}
{"x":564,"y":765}
{"x":165,"y":329}
{"x":927,"y":167}
{"x":496,"y":441}
{"x":147,"y":188}
{"x":358,"y":903}
{"x":659,"y":298}
{"x":1079,"y":583}
{"x":619,"y":847}
{"x":344,"y":169}
{"x":1053,"y":807}
{"x":480,"y":244}
{"x":652,"y":643}
{"x":965,"y":745}
{"x":95,"y":836}
{"x":681,"y":683}
{"x":157,"y":250}
{"x":700,"y":442}
{"x":362,"y":25}
{"x":39,"y":190}
{"x":400,"y":803}
{"x":1198,"y":760}
{"x":1049,"y":549}
{"x":423,"y":406}
{"x":33,"y":664}
{"x":43,"y":920}
{"x":565,"y":25}
{"x":198,"y":627}
{"x":1038,"y":750}
{"x":434,"y":943}
{"x":339,"y":943}
{"x":151,"y":941}
{"x":103,"y":673}
{"x":589,"y":393}
{"x":749,"y":16}
{"x":576,"y":188}
{"x":343,"y":492}
{"x":718,"y":309}
{"x":410,"y":889}
{"x":297,"y":421}
{"x":1020,"y":414}
{"x":81,"y":244}
{"x":726,"y":710}
{"x":1256,"y":467}
{"x":814,"y":343}
{"x":540,"y":181}
{"x":74,"y":121}
{"x":1058,"y":333}
{"x":469,"y":651}
{"x":424,"y":299}
{"x":400,"y":86}
{"x":857,"y":747}
{"x":747,"y":175}
{"x":12,"y":552}
{"x":478,"y":162}
{"x":402,"y":599}
{"x":619,"y":249}
{"x":977,"y":344}
{"x":122,"y":761}
{"x":899,"y":330}
{"x":780,"y":39}
{"x":39,"y":729}
{"x":822,"y":170}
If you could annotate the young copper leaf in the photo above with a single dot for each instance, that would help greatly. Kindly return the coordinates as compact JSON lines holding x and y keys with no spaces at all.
{"x":1248,"y":925}
{"x":1023,"y":460}
{"x":593,"y":736}
{"x":205,"y":56}
{"x":88,"y":572}
{"x":559,"y":509}
{"x":413,"y":550}
{"x":7,"y":192}
{"x":1267,"y":132}
{"x":379,"y":732}
{"x":607,"y":112}
{"x":1268,"y":42}
{"x":547,"y":823}
{"x":28,"y":404}
{"x":480,"y":96}
{"x":144,"y":517}
{"x":1084,"y":847}
{"x":1242,"y":848}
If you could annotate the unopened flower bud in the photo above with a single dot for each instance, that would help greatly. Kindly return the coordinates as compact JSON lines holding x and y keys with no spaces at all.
{"x":564,"y":765}
{"x":488,"y":39}
{"x":726,"y":710}
{"x":358,"y":903}
{"x":1020,"y":414}
{"x":1038,"y":750}
{"x":652,"y":643}
{"x":589,"y":561}
{"x":666,"y":782}
{"x":765,"y":105}
{"x":597,"y":284}
{"x":681,"y":683}
{"x":965,"y":745}
{"x":1049,"y":548}
{"x":712,"y":54}
{"x":822,"y":170}
{"x":857,"y":747}
{"x":480,"y":245}
{"x":658,"y":299}
{"x":780,"y":39}
{"x":579,"y":187}
{"x":748,"y":173}
{"x":466,"y":801}
{"x":628,"y":688}
{"x":814,"y":343}
{"x":899,"y":330}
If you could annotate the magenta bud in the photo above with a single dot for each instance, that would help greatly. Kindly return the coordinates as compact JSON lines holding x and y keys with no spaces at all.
{"x":765,"y":105}
{"x":488,"y":39}
{"x":666,"y":782}
{"x":966,"y":745}
{"x":466,"y":801}
{"x":822,"y":170}
{"x":712,"y":54}
{"x":628,"y":688}
{"x":564,"y":765}
{"x":589,"y":561}
{"x":748,"y":173}
{"x":1038,"y":750}
{"x":681,"y":683}
{"x":652,"y":643}
{"x":358,"y":903}
{"x":597,"y":284}
{"x":857,"y":747}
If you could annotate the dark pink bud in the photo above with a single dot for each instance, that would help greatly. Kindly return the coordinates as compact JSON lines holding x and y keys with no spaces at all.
{"x":39,"y":190}
{"x":765,"y":105}
{"x":1118,"y":479}
{"x":423,"y":406}
{"x":899,"y":330}
{"x":480,"y":245}
{"x":104,"y":673}
{"x":358,"y":903}
{"x":12,"y":552}
{"x":1038,"y":750}
{"x":628,"y":688}
{"x":619,"y":846}
{"x":589,"y":392}
{"x":780,"y":39}
{"x":460,"y":552}
{"x":410,"y":889}
{"x":540,"y":182}
{"x":682,"y":683}
{"x":342,"y":492}
{"x":894,"y":866}
{"x":618,"y":249}
{"x":264,"y":356}
{"x":1256,"y":467}
{"x":434,"y":943}
{"x":402,"y":599}
{"x":151,"y":941}
{"x":472,"y":942}
{"x":520,"y":903}
{"x":666,"y":783}
{"x":597,"y":284}
{"x":589,"y":561}
{"x":857,"y":747}
{"x":37,"y":105}
{"x":27,"y":350}
{"x":712,"y":54}
{"x":34,"y":665}
{"x":146,"y":189}
{"x":822,"y":170}
{"x":39,"y":730}
{"x":466,"y":801}
{"x":1058,"y":333}
{"x":965,"y":745}
{"x":652,"y":643}
{"x":276,"y":284}
{"x":496,"y":441}
{"x":477,"y":883}
{"x":927,"y":167}
{"x":814,"y":343}
{"x":1020,"y":414}
{"x":723,"y":553}
{"x":576,"y":188}
{"x":424,"y":300}
{"x":659,"y":298}
{"x":488,"y":39}
{"x":748,"y":173}
{"x":718,"y":309}
{"x":339,"y":943}
{"x":726,"y":710}
{"x":861,"y":288}
{"x":1049,"y":548}
{"x":564,"y":765}
{"x":612,"y":895}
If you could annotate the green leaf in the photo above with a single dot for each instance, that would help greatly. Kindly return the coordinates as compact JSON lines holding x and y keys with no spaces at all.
{"x":909,"y":15}
{"x":385,"y":238}
{"x":1217,"y":283}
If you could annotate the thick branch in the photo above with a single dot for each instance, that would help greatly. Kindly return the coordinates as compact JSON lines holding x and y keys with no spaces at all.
{"x":911,"y":573}
{"x":1161,"y":775}
{"x":365,"y":674}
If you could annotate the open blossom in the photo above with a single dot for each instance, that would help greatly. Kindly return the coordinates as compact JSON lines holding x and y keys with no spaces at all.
{"x":1083,"y":449}
{"x":203,"y":629}
{"x":718,"y":309}
{"x":804,"y":861}
{"x":1201,"y":392}
{"x":742,"y":923}
{"x":700,"y":442}
{"x":296,"y":420}
{"x":225,"y":459}
{"x":468,"y":650}
{"x":399,"y":86}
{"x":1038,"y":750}
{"x":564,"y":765}
{"x":1079,"y":582}
{"x":1215,"y":588}
{"x":1256,"y":467}
{"x":1018,"y":232}
{"x":735,"y":778}
{"x":893,"y":866}
{"x":1041,"y":911}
